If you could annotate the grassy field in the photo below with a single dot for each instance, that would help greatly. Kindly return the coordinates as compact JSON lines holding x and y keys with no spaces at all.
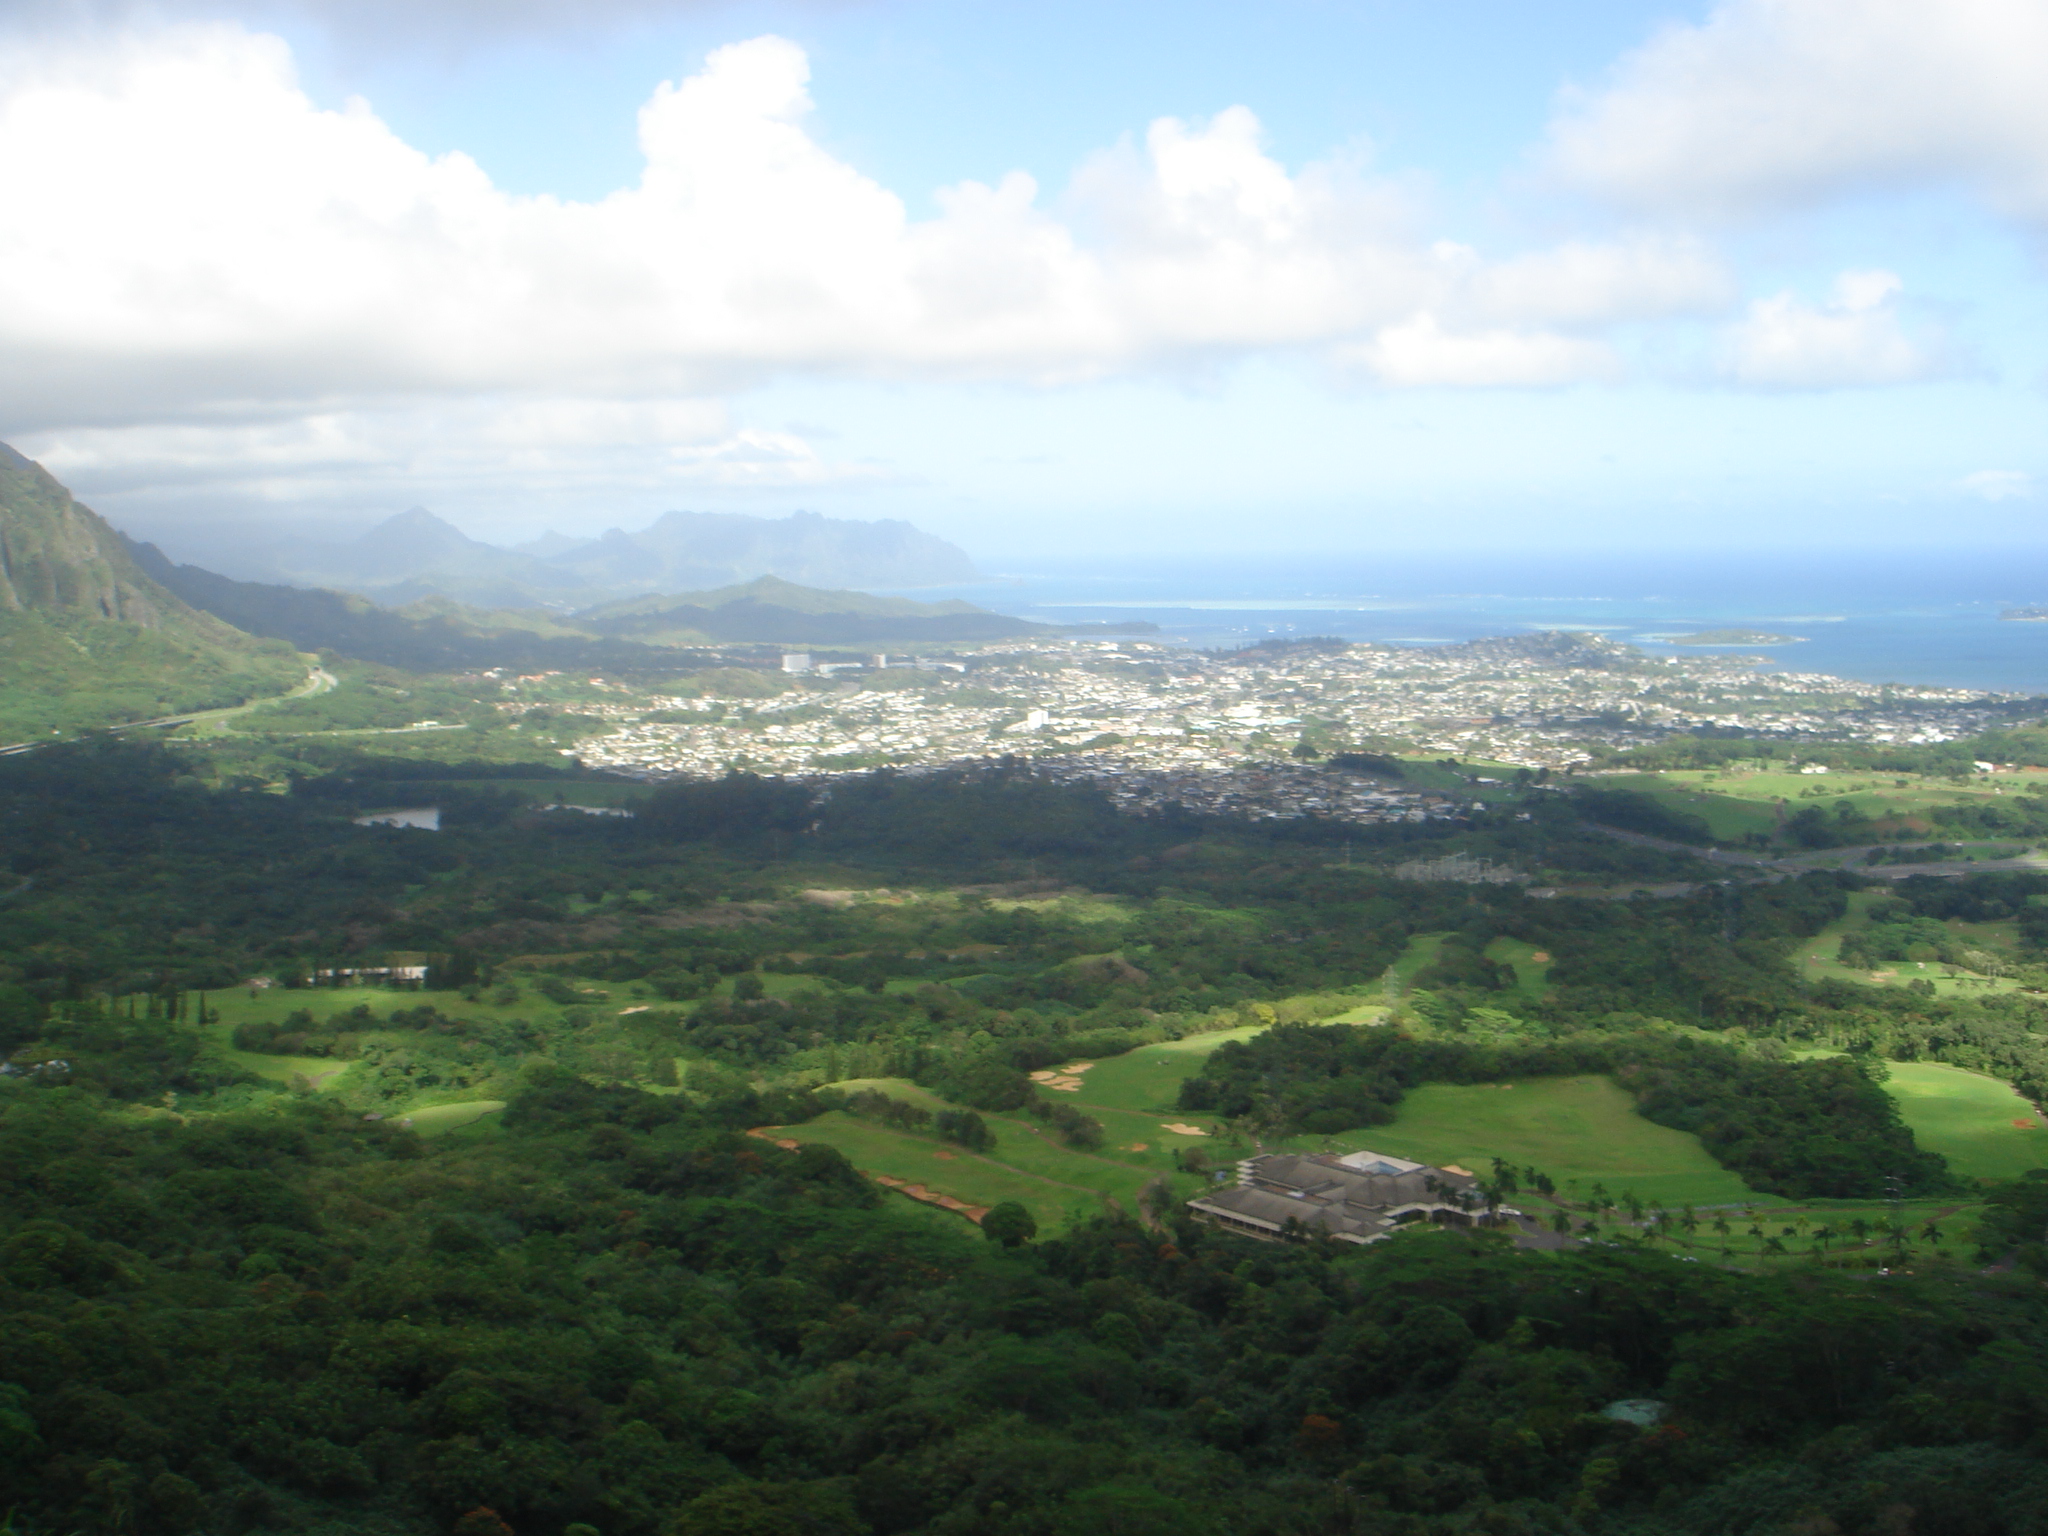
{"x":1132,"y":1095}
{"x":439,"y":1119}
{"x":1028,"y":1164}
{"x":1818,"y":958}
{"x":1983,"y":1128}
{"x":1735,"y":804}
{"x":1730,"y":818}
{"x":1573,"y":1128}
{"x":1532,"y":974}
{"x":1417,"y":957}
{"x":324,"y":1074}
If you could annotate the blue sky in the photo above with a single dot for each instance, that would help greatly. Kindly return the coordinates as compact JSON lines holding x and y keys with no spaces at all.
{"x":1047,"y":277}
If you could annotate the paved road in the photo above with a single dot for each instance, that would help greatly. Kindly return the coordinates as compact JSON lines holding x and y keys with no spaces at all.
{"x":318,"y":681}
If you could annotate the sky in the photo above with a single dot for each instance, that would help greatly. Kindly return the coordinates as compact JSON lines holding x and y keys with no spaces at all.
{"x":1196,"y":277}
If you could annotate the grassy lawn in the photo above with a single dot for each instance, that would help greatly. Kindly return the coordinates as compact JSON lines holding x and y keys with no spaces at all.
{"x":1532,"y":975}
{"x":1132,"y":1095}
{"x":1582,"y":1128}
{"x":1970,"y":1119}
{"x":1145,"y":1081}
{"x":1057,"y":1184}
{"x":327,"y":1073}
{"x":1733,"y":804}
{"x":1416,"y":958}
{"x":439,"y":1119}
{"x":1729,"y":818}
{"x":1817,"y":958}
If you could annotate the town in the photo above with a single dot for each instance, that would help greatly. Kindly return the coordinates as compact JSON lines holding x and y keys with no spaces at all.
{"x":1228,"y":731}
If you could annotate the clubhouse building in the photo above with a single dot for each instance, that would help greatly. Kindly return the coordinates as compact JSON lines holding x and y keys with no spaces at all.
{"x":1360,"y":1197}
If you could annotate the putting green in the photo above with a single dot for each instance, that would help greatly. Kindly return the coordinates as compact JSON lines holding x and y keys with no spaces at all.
{"x":1972,"y":1120}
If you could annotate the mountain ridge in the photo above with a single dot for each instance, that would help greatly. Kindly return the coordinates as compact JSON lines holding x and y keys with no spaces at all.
{"x":417,"y":553}
{"x":88,"y":638}
{"x":439,"y":633}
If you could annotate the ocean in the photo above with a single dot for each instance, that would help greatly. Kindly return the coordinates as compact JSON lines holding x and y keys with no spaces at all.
{"x":1927,"y":616}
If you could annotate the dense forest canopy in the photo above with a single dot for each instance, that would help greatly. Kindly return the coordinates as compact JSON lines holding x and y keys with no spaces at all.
{"x":239,"y":1296}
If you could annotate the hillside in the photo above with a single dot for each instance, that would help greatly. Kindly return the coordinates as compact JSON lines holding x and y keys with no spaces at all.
{"x":430,"y":635}
{"x":440,"y":634}
{"x":772,"y":610}
{"x":87,"y":638}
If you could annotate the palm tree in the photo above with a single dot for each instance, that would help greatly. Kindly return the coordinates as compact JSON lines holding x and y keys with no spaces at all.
{"x":1721,"y":1227}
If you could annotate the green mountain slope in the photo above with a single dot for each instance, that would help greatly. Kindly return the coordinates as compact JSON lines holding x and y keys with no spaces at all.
{"x":87,"y":639}
{"x":772,"y":610}
{"x":435,"y":634}
{"x":439,"y":634}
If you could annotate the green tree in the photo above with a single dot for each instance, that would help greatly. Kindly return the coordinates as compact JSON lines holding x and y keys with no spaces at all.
{"x":1009,"y":1224}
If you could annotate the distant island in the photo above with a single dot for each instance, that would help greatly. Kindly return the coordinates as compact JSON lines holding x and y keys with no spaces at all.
{"x":1735,"y":637}
{"x":2026,"y":615}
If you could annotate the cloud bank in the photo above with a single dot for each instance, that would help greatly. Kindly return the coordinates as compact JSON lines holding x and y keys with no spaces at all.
{"x":206,"y":237}
{"x":1854,"y":340}
{"x":210,"y":282}
{"x":1777,"y":104}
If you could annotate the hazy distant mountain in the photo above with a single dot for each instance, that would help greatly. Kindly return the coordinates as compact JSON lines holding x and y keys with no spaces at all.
{"x":87,"y":638}
{"x":650,"y":634}
{"x":416,"y":554}
{"x":685,"y":550}
{"x":432,"y":634}
{"x":770,"y":610}
{"x":548,"y":545}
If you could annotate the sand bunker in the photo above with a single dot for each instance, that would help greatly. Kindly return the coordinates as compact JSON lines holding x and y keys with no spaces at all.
{"x":1180,"y":1129}
{"x":1137,"y":1146}
{"x":1454,"y":1168}
{"x":973,"y":1213}
{"x":1060,"y":1081}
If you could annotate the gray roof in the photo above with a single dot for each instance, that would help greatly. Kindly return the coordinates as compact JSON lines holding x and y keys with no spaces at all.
{"x":1324,"y":1192}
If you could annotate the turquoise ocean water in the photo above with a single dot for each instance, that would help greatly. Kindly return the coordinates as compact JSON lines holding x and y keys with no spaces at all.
{"x":1927,"y":616}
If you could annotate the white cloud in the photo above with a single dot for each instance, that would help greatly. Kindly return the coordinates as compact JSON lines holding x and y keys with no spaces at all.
{"x":1856,"y":339}
{"x":209,"y":283}
{"x":549,"y":449}
{"x":203,"y":235}
{"x":1419,"y":353}
{"x":1998,"y":485}
{"x":446,"y":27}
{"x":1771,"y":104}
